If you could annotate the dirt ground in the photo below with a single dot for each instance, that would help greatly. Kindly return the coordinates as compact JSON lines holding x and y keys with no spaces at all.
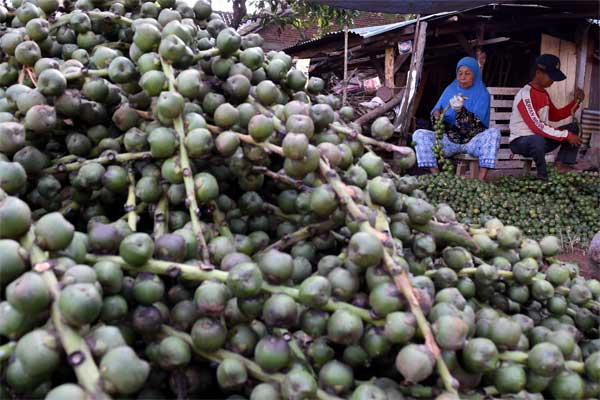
{"x":585,"y":266}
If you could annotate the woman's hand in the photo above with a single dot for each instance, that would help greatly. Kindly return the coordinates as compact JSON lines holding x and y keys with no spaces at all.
{"x":437,"y":113}
{"x":457,"y":102}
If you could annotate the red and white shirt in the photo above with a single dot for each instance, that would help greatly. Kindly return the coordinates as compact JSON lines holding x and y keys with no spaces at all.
{"x":532,"y":109}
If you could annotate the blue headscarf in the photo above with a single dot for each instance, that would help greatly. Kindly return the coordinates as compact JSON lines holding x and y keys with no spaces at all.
{"x":478,"y":98}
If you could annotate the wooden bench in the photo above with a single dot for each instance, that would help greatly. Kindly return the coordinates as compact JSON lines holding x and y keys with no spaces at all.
{"x":501,"y":101}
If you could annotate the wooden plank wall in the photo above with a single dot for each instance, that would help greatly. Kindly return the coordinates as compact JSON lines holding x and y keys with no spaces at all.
{"x":561,"y":93}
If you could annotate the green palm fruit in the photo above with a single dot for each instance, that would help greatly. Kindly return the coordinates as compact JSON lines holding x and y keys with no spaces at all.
{"x":121,"y":70}
{"x":267,"y":92}
{"x":382,"y":129}
{"x":385,"y":299}
{"x":400,"y":327}
{"x":38,"y":353}
{"x":510,"y":379}
{"x":148,"y":288}
{"x":480,"y":355}
{"x":53,"y":232}
{"x":12,"y":177}
{"x":369,"y":391}
{"x":136,"y":249}
{"x":299,"y":123}
{"x":12,"y":137}
{"x":241,"y":339}
{"x":382,"y":191}
{"x":323,"y":201}
{"x":315,"y":85}
{"x":114,"y":308}
{"x":211,"y":298}
{"x":567,"y":385}
{"x":315,"y":291}
{"x":265,"y":391}
{"x":509,"y":237}
{"x":365,"y":250}
{"x":280,"y":310}
{"x":231,"y":374}
{"x":344,"y":327}
{"x":260,"y":127}
{"x":272,"y":353}
{"x":550,"y":246}
{"x":174,"y":353}
{"x":336,"y":378}
{"x":66,"y":391}
{"x":28,"y":294}
{"x":415,"y":362}
{"x":450,"y":332}
{"x":298,"y":384}
{"x":123,"y":371}
{"x":80,"y":303}
{"x":13,"y":261}
{"x":13,"y":323}
{"x":245,"y":280}
{"x":105,"y":338}
{"x":545,"y":359}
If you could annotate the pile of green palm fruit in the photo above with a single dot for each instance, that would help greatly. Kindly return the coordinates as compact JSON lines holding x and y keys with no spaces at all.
{"x":185,"y":216}
{"x":566,"y":205}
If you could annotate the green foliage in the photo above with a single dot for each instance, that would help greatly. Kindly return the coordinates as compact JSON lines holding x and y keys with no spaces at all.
{"x":302,"y":14}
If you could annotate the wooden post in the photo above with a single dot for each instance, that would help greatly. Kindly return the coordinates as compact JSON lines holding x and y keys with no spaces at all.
{"x":403,"y":119}
{"x":389,"y":67}
{"x":345,"y":85}
{"x":582,"y":56}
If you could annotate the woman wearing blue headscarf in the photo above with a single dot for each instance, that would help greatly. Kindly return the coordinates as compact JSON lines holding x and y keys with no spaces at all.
{"x":466,"y":121}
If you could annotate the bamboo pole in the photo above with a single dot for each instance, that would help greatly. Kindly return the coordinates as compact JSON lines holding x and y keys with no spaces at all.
{"x":345,"y":85}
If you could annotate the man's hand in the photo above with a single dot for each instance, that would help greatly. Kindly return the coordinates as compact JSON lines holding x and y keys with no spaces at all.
{"x":579,"y":95}
{"x":574,"y":140}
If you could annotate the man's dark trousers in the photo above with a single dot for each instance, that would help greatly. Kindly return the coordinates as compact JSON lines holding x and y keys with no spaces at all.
{"x":536,"y":147}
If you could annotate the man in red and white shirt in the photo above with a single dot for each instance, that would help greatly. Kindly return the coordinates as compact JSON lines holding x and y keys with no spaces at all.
{"x":530,"y":134}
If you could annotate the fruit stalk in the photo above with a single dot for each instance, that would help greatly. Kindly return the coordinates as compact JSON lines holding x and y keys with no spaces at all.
{"x":78,"y":353}
{"x":392,"y":148}
{"x":188,"y":179}
{"x":521,"y":357}
{"x":161,"y":217}
{"x":130,"y":206}
{"x":392,"y":267}
{"x":219,"y":221}
{"x":452,"y":233}
{"x":110,"y":157}
{"x":253,"y":368}
{"x":203,"y":272}
{"x":6,"y":350}
{"x":283,"y":178}
{"x":301,"y":234}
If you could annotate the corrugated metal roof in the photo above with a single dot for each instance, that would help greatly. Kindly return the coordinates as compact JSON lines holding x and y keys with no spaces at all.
{"x":370,"y":31}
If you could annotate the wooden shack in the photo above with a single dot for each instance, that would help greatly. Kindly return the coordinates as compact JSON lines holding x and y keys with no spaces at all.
{"x":504,"y":36}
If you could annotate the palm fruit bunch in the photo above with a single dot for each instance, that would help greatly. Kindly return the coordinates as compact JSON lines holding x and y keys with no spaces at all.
{"x":185,"y":216}
{"x":439,"y":129}
{"x":566,"y":205}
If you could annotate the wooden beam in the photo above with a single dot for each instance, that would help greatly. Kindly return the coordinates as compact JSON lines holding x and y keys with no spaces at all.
{"x":389,"y":67}
{"x":404,"y":117}
{"x":345,"y":86}
{"x":378,"y":68}
{"x":400,"y":61}
{"x":464,"y":43}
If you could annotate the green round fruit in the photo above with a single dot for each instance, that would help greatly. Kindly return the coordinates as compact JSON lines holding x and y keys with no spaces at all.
{"x":29,"y":293}
{"x":80,"y":303}
{"x":272,"y":353}
{"x":415,"y":362}
{"x":123,"y":371}
{"x":510,"y":379}
{"x":136,"y":249}
{"x":545,"y":359}
{"x":336,"y":378}
{"x":344,"y":327}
